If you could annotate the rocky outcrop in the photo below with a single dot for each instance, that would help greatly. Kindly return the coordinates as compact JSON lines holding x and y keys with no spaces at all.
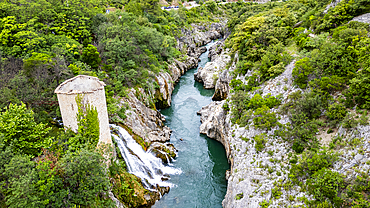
{"x":163,"y":94}
{"x":247,"y":181}
{"x":254,"y":174}
{"x":216,"y":49}
{"x":214,"y":123}
{"x":222,"y":87}
{"x":365,"y":18}
{"x":200,"y":35}
{"x":209,"y":74}
{"x":167,"y":82}
{"x":143,"y":121}
{"x":165,"y":151}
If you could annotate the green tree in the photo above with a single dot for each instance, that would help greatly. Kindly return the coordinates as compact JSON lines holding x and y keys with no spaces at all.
{"x":21,"y":132}
{"x":91,"y":56}
{"x":325,"y":185}
{"x":84,"y":179}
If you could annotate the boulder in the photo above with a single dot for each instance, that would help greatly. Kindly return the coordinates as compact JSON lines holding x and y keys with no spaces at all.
{"x":165,"y":151}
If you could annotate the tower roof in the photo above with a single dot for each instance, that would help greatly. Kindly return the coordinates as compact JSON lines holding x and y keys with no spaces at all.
{"x":80,"y":84}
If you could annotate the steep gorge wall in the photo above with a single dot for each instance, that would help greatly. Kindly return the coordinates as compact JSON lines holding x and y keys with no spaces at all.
{"x":250,"y":182}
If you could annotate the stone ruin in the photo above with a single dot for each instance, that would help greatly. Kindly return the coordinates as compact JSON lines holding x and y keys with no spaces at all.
{"x":93,"y":93}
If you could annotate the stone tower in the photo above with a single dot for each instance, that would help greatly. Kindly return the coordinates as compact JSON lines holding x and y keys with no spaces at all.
{"x":93,"y":93}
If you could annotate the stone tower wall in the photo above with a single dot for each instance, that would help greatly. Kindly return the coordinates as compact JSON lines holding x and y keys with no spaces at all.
{"x":69,"y":109}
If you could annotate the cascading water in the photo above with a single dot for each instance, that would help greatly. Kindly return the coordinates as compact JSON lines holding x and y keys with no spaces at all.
{"x":140,"y":163}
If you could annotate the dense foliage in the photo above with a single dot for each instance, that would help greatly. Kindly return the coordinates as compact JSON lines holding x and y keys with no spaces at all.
{"x":64,"y":174}
{"x":44,"y":42}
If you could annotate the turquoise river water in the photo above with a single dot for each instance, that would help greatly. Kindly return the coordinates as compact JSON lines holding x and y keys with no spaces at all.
{"x":202,"y":160}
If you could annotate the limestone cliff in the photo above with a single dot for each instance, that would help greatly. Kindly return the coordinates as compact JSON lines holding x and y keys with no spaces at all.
{"x":222,"y":87}
{"x":254,"y":174}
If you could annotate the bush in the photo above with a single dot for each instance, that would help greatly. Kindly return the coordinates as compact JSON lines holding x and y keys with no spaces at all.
{"x":325,"y":186}
{"x":274,"y":61}
{"x":301,"y":71}
{"x":237,"y":84}
{"x":259,"y":142}
{"x":264,"y":119}
{"x":336,"y":111}
{"x":21,"y":132}
{"x":328,"y":84}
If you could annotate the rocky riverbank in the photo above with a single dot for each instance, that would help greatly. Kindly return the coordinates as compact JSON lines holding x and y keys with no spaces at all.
{"x":261,"y":177}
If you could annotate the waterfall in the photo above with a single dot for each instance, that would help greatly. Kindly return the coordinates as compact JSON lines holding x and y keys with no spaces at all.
{"x":140,"y":163}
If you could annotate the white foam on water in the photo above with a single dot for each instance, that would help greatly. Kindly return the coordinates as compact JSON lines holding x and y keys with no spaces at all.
{"x":140,"y":163}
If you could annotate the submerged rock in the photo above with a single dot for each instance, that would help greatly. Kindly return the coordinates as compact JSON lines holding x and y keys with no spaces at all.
{"x":165,"y":151}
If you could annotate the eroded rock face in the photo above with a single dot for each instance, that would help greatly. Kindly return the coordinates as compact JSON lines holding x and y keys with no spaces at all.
{"x":191,"y":42}
{"x":200,"y":35}
{"x":143,"y":121}
{"x":246,"y":177}
{"x":216,"y":49}
{"x":214,"y":123}
{"x":222,"y":87}
{"x":209,"y":74}
{"x":163,"y":94}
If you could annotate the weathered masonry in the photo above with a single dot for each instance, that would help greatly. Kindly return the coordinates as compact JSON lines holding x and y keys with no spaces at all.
{"x":92,"y":91}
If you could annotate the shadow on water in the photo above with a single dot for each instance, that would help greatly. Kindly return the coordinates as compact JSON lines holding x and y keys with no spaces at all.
{"x":202,"y":160}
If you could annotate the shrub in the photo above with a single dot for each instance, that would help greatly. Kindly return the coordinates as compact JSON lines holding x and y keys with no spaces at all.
{"x":301,"y":71}
{"x":259,"y":142}
{"x":274,"y":61}
{"x":276,"y":192}
{"x":336,"y":111}
{"x":325,"y":185}
{"x":237,"y":84}
{"x":328,"y":84}
{"x":360,"y":88}
{"x":239,"y":196}
{"x":21,"y":132}
{"x":264,"y":119}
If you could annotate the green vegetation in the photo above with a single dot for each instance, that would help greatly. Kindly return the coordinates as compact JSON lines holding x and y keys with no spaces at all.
{"x":256,"y":108}
{"x":66,"y":174}
{"x":21,"y":133}
{"x":44,"y":42}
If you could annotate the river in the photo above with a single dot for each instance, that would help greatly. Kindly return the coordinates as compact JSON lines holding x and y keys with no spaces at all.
{"x":202,"y":160}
